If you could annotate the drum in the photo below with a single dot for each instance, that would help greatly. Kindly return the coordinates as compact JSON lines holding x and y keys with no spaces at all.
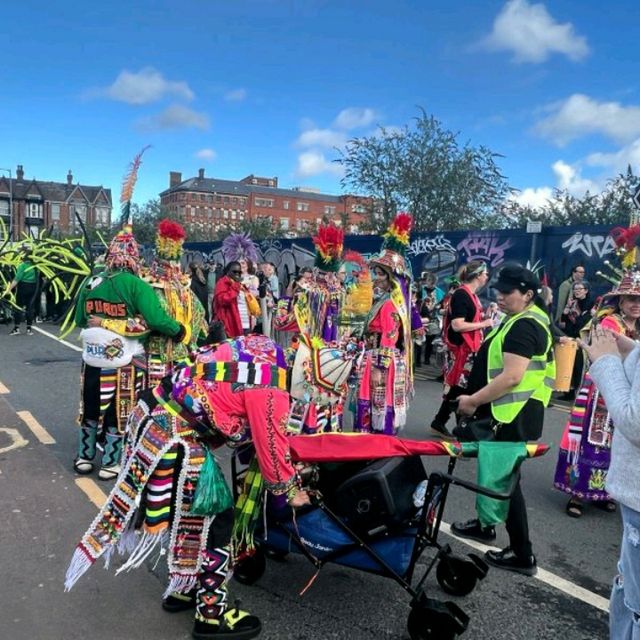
{"x":565,"y":355}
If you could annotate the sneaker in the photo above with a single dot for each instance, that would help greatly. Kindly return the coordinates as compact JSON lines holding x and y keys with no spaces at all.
{"x":82,"y":466}
{"x":15,"y":331}
{"x":440,"y":430}
{"x":472,"y":529}
{"x":234,"y":624}
{"x":109,"y":473}
{"x":177,"y":602}
{"x":29,"y":331}
{"x":507,"y":559}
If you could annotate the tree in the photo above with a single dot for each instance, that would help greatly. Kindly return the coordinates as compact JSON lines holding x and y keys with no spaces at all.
{"x":146,"y":218}
{"x":426,"y":171}
{"x":613,"y":205}
{"x":258,"y":228}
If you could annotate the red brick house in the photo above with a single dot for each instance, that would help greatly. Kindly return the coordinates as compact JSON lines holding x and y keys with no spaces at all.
{"x":216,"y":203}
{"x":29,"y":205}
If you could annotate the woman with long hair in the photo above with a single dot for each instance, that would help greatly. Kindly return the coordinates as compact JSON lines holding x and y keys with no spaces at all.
{"x":462,"y":334}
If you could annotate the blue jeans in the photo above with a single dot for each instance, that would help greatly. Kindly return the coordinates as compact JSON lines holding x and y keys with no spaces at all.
{"x":624,"y":607}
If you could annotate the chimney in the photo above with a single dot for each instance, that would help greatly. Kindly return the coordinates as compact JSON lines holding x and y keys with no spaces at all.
{"x":69,"y":178}
{"x":200,"y":173}
{"x":175,"y":178}
{"x":19,"y":173}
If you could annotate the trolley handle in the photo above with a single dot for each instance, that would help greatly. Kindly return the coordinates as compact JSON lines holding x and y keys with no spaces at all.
{"x":476,"y":488}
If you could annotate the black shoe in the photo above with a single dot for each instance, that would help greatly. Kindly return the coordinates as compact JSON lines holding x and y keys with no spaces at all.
{"x":234,"y":624}
{"x":15,"y":331}
{"x":507,"y":559}
{"x":440,"y":430}
{"x":472,"y":529}
{"x":179,"y":602}
{"x":29,"y":331}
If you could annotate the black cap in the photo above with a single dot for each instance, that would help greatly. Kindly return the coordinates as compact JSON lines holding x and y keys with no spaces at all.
{"x":516,"y":277}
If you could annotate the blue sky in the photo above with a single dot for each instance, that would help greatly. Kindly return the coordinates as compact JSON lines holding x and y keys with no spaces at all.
{"x":270,"y":87}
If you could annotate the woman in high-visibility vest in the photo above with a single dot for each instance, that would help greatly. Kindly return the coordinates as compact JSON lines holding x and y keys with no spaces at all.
{"x":509,"y":386}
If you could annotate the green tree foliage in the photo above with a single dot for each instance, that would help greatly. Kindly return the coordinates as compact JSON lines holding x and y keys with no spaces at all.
{"x":425,"y":170}
{"x":613,"y":205}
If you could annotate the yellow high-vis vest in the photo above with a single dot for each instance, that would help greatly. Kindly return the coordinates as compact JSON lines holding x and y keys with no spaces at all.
{"x":539,"y":378}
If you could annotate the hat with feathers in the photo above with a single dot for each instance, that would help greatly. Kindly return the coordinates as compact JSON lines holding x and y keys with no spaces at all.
{"x":395,"y":242}
{"x":169,"y":239}
{"x":329,"y":244}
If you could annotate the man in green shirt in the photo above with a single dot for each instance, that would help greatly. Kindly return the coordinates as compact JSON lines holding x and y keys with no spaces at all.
{"x":26,"y":284}
{"x":116,"y":310}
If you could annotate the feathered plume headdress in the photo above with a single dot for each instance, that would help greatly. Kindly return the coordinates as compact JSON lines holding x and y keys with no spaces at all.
{"x":394,"y":245}
{"x":237,"y":246}
{"x":625,"y":279}
{"x":128,"y":184}
{"x":329,"y":244}
{"x":169,"y":239}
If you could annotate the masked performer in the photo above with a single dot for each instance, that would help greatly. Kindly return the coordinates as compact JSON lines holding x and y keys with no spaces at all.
{"x":387,"y":379}
{"x":172,"y":485}
{"x":177,"y":299}
{"x":116,"y":310}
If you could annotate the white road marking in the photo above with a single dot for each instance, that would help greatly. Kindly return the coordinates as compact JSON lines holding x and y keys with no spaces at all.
{"x":548,"y":578}
{"x":17,"y":440}
{"x":92,"y":491}
{"x":4,"y":389}
{"x":38,"y":430}
{"x":60,"y":340}
{"x":98,"y":497}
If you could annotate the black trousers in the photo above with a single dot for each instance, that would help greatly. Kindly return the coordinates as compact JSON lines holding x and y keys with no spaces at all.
{"x":518,"y":525}
{"x":447,"y":407}
{"x":26,"y":295}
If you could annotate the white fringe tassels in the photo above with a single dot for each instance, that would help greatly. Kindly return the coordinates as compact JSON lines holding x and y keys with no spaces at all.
{"x":79,"y":565}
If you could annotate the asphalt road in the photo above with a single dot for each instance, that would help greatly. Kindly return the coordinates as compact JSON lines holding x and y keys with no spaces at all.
{"x":44,"y":514}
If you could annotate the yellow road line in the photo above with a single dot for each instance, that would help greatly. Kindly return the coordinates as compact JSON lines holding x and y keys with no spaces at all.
{"x":38,"y":430}
{"x":4,"y":389}
{"x":92,"y":491}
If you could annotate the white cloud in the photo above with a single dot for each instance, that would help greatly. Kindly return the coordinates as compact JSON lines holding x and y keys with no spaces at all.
{"x":206,"y":154}
{"x":312,"y":163}
{"x":327,"y":138}
{"x":580,"y":115}
{"x":535,"y":198}
{"x":236,"y":95}
{"x":146,"y":86}
{"x":533,"y":35}
{"x":617,"y":161}
{"x":175,"y":117}
{"x":569,"y":177}
{"x":355,"y":118}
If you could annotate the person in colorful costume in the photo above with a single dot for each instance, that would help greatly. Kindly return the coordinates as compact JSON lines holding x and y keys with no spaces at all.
{"x":462,"y":335}
{"x":585,"y":448}
{"x":509,"y":387}
{"x":233,"y":392}
{"x":386,"y":378}
{"x":25,"y":282}
{"x":173,"y":289}
{"x":116,"y":310}
{"x":317,"y":307}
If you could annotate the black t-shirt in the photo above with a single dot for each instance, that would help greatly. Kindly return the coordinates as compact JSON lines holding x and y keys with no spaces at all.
{"x":526,"y":338}
{"x":461,"y":306}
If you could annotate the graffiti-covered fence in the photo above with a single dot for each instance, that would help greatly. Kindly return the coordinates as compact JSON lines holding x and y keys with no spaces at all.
{"x":557,"y":249}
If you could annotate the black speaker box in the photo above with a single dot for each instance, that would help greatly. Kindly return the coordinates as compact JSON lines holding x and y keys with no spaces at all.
{"x":380,"y":496}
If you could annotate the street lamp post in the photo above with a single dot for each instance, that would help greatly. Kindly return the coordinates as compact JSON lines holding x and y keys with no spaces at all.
{"x":10,"y":202}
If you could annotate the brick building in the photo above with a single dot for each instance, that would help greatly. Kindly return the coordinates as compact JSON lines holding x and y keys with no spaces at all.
{"x":215,"y":203}
{"x":37,"y":204}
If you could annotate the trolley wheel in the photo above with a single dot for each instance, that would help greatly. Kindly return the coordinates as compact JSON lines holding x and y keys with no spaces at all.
{"x":432,"y":620}
{"x":456,"y":576}
{"x":250,"y":569}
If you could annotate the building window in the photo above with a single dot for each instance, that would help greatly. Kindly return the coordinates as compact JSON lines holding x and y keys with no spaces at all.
{"x":241,"y":215}
{"x":4,"y":207}
{"x":329,"y":211}
{"x":285,"y":204}
{"x":182,"y":196}
{"x":358,"y":208}
{"x":102,"y":216}
{"x":301,"y":225}
{"x":226,"y":199}
{"x":35,"y":210}
{"x":234,"y":202}
{"x":302,"y":206}
{"x":233,"y":215}
{"x":284,"y":223}
{"x":264,"y":202}
{"x":209,"y":199}
{"x":225,"y":214}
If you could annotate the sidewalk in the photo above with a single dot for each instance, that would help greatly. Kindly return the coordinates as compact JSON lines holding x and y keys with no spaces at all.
{"x":44,"y":515}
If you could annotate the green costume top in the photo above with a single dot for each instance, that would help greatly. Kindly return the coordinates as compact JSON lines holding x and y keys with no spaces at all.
{"x":118,"y":295}
{"x":26,"y":272}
